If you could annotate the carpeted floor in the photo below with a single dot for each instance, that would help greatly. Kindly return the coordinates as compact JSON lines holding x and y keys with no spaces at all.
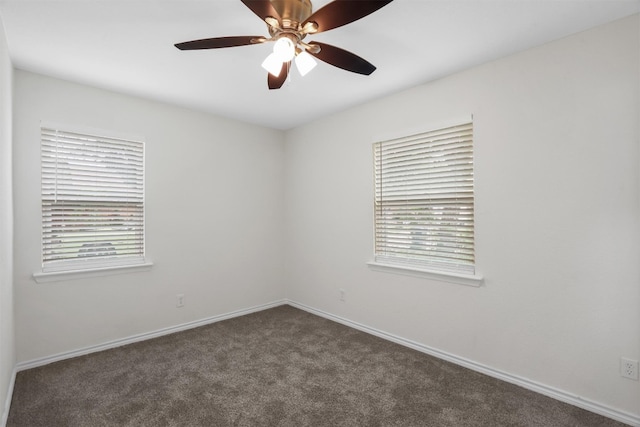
{"x":278,"y":367}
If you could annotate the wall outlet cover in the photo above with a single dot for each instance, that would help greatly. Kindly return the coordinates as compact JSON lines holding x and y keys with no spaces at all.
{"x":629,"y":368}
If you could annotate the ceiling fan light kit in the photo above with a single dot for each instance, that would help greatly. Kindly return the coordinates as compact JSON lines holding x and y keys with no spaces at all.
{"x":288,"y":23}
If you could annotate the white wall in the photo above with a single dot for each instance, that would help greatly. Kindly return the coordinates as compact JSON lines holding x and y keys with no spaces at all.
{"x":557,"y":216}
{"x":7,"y":351}
{"x":214,"y":211}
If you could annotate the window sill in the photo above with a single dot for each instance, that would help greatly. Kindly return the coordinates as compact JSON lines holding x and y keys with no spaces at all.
{"x":58,"y":276}
{"x":474,"y":280}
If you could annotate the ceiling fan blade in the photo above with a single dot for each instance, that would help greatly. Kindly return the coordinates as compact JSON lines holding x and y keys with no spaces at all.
{"x":342,"y":12}
{"x":342,"y":59}
{"x":262,"y":8}
{"x":277,"y":82}
{"x":218,"y":42}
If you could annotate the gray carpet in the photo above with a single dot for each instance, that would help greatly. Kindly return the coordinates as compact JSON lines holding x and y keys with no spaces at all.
{"x":278,"y":367}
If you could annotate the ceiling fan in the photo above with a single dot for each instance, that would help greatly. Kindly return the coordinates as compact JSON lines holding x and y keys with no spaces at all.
{"x":289,"y":22}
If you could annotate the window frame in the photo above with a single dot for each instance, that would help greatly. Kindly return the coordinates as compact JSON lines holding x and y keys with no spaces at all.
{"x":52,"y":270}
{"x":413,"y":267}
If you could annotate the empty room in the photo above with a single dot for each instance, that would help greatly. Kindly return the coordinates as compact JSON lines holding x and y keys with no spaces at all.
{"x":319,"y":213}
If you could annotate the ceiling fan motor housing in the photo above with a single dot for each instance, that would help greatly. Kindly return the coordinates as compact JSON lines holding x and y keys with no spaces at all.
{"x":292,"y":12}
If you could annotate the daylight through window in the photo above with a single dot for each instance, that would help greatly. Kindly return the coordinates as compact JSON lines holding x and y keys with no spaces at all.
{"x":92,"y":200}
{"x":424,"y":202}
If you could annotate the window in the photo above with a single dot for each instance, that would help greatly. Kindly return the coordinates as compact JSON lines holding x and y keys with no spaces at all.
{"x":424,"y":203}
{"x":92,"y":201}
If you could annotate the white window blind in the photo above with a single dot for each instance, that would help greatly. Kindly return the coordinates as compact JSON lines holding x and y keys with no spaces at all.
{"x":424,"y":203}
{"x":92,"y":200}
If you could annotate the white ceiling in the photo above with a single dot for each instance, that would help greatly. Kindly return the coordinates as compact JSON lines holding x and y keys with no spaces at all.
{"x":127,"y":46}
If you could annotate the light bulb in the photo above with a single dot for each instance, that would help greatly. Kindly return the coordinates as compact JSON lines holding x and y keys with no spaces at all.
{"x":284,"y":49}
{"x":305,"y":63}
{"x":272,"y":64}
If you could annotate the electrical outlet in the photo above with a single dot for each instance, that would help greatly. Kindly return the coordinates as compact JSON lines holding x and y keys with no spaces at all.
{"x":342,"y":292}
{"x":180,"y":300}
{"x":629,"y":368}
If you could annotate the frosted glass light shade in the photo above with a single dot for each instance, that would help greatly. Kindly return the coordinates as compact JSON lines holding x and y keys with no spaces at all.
{"x":305,"y":63}
{"x":284,"y":49}
{"x":272,"y":64}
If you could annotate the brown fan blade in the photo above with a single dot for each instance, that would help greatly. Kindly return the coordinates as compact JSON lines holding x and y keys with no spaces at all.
{"x":342,"y":59}
{"x":262,"y":8}
{"x":277,"y":82}
{"x":218,"y":42}
{"x":342,"y":12}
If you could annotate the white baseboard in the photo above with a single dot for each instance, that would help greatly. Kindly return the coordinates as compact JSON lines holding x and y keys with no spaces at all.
{"x":142,"y":337}
{"x":552,"y":392}
{"x":7,"y":402}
